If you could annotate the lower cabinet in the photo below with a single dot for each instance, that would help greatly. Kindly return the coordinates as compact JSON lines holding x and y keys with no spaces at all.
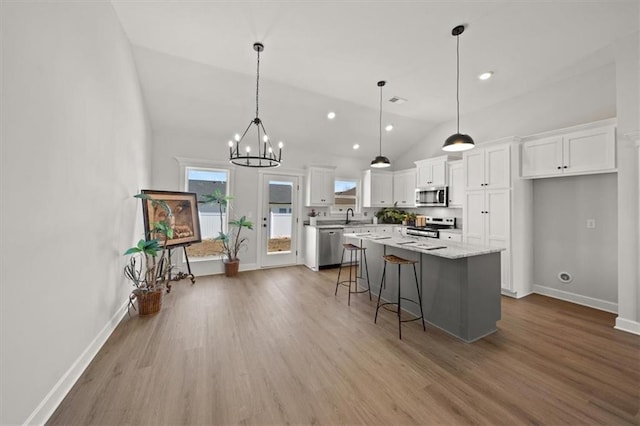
{"x":451,"y":236}
{"x":486,"y":217}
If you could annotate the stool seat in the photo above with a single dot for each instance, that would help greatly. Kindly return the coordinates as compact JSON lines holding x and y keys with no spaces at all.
{"x":349,"y":246}
{"x":392,"y":258}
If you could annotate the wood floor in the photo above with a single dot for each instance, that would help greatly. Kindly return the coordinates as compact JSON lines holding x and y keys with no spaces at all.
{"x":275,"y":346}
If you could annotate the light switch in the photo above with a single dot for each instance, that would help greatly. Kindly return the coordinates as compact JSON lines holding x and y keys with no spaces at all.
{"x":591,"y":223}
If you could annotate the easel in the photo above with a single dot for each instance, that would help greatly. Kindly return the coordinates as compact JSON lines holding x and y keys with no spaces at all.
{"x":180,"y":275}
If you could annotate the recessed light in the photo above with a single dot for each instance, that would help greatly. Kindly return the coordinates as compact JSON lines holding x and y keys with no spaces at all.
{"x":389,"y":127}
{"x":486,"y":75}
{"x":331,"y":115}
{"x":356,"y":146}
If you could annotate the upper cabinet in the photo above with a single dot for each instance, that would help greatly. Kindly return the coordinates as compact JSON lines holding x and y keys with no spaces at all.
{"x":487,"y":167}
{"x":575,"y":152}
{"x":377,"y":188}
{"x":456,"y":184}
{"x":320,"y":186}
{"x":431,"y":172}
{"x":404,"y":188}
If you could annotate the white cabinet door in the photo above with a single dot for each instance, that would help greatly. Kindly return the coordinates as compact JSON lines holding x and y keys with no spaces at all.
{"x":589,"y":151}
{"x":486,"y":222}
{"x":456,"y":184}
{"x":431,"y":172}
{"x":377,"y":189}
{"x":542,"y":157}
{"x":497,"y":170}
{"x":487,"y":168}
{"x":474,"y":217}
{"x":404,"y":188}
{"x":574,"y":153}
{"x":320,"y":186}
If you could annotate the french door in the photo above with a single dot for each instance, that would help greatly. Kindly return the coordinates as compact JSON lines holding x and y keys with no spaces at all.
{"x":278,"y":221}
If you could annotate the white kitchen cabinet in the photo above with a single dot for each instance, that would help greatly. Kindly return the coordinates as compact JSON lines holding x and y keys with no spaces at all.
{"x":456,"y":184}
{"x":377,"y":189}
{"x":576,"y":152}
{"x":451,"y":236}
{"x":486,"y":218}
{"x":487,"y":167}
{"x":320,"y":186}
{"x":404,"y":188}
{"x":311,"y":247}
{"x":431,"y":172}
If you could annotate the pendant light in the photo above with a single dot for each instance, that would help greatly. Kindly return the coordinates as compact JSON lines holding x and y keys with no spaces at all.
{"x":380,"y":161}
{"x":264,"y":156}
{"x":458,"y":141}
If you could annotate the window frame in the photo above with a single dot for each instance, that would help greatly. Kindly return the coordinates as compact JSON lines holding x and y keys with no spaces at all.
{"x":334,"y":209}
{"x":186,"y":165}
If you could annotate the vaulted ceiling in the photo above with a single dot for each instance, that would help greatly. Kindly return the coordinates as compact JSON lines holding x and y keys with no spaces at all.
{"x":197,"y":66}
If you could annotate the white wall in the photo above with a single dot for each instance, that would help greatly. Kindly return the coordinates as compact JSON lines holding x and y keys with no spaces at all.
{"x":562,"y":242}
{"x":75,"y":148}
{"x":628,"y":106}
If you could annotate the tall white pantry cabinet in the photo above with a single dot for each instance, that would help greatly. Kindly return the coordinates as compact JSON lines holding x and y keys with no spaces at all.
{"x":497,"y":209}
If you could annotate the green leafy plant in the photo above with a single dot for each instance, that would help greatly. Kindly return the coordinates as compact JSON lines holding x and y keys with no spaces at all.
{"x":148,"y":268}
{"x":391,"y":214}
{"x":231,"y":241}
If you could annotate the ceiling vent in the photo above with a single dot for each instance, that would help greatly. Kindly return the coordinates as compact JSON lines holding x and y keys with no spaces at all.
{"x":397,"y":100}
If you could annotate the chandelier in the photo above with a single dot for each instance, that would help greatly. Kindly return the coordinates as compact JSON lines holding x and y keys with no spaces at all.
{"x":265,"y":155}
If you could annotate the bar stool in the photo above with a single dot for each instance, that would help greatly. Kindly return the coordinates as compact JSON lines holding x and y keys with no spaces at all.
{"x":353,"y":255}
{"x":395,"y":260}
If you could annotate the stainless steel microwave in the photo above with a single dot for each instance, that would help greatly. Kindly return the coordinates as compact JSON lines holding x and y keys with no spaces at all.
{"x":435,"y":196}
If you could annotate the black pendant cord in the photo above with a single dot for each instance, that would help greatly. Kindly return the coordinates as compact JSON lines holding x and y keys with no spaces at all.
{"x":257,"y":84}
{"x":458,"y":82}
{"x":380,"y":126}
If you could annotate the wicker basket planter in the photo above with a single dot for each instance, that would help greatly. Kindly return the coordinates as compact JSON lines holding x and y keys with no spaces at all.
{"x":149,"y":303}
{"x":231,"y":267}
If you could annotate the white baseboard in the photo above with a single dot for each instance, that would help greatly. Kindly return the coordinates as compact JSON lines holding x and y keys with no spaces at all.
{"x":627,"y":325}
{"x":248,"y":266}
{"x":50,"y":403}
{"x":591,"y":302}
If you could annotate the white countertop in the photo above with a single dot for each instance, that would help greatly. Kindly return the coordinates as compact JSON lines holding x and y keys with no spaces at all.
{"x":434,"y":247}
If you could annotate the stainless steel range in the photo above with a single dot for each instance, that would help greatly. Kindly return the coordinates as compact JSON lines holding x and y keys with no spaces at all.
{"x":432,"y":227}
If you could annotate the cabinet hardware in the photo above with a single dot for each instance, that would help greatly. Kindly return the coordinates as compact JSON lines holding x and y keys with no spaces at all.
{"x":559,"y":167}
{"x":564,"y":167}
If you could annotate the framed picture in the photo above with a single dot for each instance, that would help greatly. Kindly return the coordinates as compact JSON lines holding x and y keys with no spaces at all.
{"x":183,"y":216}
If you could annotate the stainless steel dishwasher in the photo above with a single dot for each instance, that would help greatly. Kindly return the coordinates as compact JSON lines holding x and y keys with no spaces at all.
{"x":330,"y":247}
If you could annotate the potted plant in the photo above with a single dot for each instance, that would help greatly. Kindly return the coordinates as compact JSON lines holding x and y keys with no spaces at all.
{"x":231,"y":242}
{"x":313,"y":217}
{"x":148,"y":268}
{"x":391,"y":214}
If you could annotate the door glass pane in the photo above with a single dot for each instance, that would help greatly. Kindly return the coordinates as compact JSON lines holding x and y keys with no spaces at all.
{"x":280,"y":217}
{"x":207,"y":181}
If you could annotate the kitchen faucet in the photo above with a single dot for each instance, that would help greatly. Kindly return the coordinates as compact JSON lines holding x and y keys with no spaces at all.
{"x":349,"y":209}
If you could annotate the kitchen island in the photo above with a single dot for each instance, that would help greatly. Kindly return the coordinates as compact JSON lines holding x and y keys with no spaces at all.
{"x":460,"y":283}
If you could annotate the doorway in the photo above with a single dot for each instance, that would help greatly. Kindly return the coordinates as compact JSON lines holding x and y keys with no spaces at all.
{"x":279,"y":223}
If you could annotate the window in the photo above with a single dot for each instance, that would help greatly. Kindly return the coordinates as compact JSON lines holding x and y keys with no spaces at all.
{"x":346,"y":195}
{"x":206,"y":181}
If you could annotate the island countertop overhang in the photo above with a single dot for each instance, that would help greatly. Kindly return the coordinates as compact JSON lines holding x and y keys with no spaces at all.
{"x":435,"y":247}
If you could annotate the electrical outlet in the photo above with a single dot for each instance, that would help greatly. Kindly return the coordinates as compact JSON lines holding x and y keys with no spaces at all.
{"x":591,"y":223}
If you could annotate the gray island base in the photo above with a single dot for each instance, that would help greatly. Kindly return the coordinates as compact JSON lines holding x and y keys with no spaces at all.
{"x":461,"y":287}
